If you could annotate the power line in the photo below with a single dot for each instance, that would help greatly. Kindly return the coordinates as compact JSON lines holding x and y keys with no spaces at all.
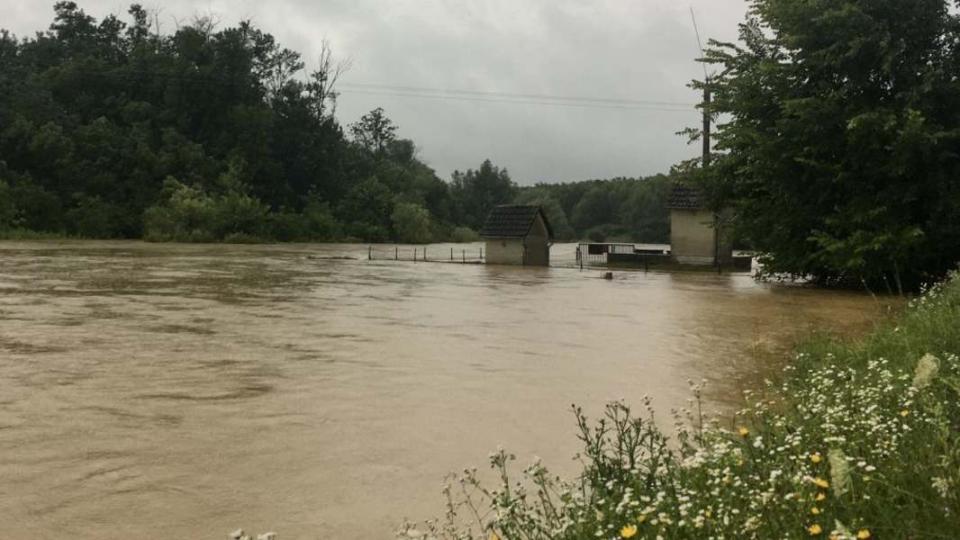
{"x":589,"y":105}
{"x":547,"y":97}
{"x":696,"y":30}
{"x":193,"y":78}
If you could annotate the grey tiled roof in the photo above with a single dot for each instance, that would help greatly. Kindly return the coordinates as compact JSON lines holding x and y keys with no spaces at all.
{"x":684,"y":198}
{"x":512,"y":221}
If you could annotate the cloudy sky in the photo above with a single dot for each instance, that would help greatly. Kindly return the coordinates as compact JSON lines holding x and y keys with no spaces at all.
{"x":448,"y":72}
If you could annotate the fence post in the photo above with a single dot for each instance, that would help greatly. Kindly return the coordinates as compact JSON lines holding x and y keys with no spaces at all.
{"x":369,"y":253}
{"x":396,"y":253}
{"x":464,"y":256}
{"x":451,"y":254}
{"x":424,"y":253}
{"x":414,"y":254}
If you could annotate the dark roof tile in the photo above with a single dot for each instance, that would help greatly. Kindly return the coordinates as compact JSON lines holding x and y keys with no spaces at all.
{"x":512,"y":221}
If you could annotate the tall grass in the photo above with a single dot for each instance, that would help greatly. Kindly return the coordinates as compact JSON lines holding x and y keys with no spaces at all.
{"x":856,"y":440}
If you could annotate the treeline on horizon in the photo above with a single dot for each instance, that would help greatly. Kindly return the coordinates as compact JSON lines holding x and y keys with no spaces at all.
{"x":113,"y":129}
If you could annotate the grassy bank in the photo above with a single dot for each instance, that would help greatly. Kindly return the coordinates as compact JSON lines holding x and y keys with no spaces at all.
{"x":856,"y":440}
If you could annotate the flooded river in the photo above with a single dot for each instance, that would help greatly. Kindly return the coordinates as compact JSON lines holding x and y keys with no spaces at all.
{"x":184,"y":391}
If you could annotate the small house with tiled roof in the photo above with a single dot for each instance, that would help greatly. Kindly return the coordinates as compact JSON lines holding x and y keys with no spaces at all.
{"x":517,"y":234}
{"x":696,"y":236}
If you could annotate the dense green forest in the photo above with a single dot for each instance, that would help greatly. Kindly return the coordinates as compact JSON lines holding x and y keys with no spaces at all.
{"x":113,"y":129}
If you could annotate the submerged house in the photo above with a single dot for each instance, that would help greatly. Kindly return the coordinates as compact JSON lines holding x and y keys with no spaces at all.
{"x":695,"y":234}
{"x":517,"y":234}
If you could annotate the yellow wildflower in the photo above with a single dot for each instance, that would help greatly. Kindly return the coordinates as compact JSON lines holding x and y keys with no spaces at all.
{"x":494,"y":536}
{"x":904,"y":413}
{"x":863,"y":534}
{"x":815,"y":529}
{"x":816,"y":457}
{"x":743,"y":431}
{"x":820,"y":496}
{"x":629,"y":531}
{"x":821,"y":483}
{"x":815,"y":511}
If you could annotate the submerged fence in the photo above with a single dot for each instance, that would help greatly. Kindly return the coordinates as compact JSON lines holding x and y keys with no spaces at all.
{"x":471,"y":255}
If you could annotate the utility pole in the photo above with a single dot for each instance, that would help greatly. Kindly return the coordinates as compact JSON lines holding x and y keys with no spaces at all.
{"x":707,"y":98}
{"x":706,"y":123}
{"x":705,"y":161}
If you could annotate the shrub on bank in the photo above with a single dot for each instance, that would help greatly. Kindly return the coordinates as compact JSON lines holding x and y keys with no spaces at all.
{"x":858,"y":440}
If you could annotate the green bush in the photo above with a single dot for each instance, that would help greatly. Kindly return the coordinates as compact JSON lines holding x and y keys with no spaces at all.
{"x":8,"y":212}
{"x":858,"y":440}
{"x":320,"y":222}
{"x":37,"y":208}
{"x":411,"y":223}
{"x":94,"y":218}
{"x":189,"y":214}
{"x":597,"y":235}
{"x":463,"y":235}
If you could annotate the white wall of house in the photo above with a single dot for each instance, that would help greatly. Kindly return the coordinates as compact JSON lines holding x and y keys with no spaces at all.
{"x":692,"y":236}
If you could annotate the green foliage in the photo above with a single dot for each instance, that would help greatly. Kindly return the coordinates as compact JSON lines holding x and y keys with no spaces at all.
{"x":858,"y":440}
{"x":476,"y":192}
{"x":95,"y":115}
{"x":92,"y":217}
{"x":839,"y":156}
{"x":463,"y":235}
{"x":374,"y":132}
{"x":367,"y":208}
{"x":189,"y":214}
{"x":551,"y":207}
{"x":411,"y":223}
{"x":632,"y":210}
{"x":597,"y":235}
{"x":8,"y":212}
{"x":320,"y":221}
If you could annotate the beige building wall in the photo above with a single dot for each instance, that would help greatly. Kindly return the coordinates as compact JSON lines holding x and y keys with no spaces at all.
{"x":692,"y":236}
{"x":537,"y":245}
{"x":532,"y":250}
{"x":504,"y":251}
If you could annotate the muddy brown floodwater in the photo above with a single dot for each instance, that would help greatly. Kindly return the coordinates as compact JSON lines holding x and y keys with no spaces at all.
{"x":183,"y":391}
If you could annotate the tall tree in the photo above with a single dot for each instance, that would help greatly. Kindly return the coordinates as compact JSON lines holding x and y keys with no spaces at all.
{"x":840,"y":150}
{"x":374,"y":132}
{"x":476,"y":192}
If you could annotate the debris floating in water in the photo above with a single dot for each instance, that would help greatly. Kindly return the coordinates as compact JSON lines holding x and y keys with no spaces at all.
{"x":239,"y":535}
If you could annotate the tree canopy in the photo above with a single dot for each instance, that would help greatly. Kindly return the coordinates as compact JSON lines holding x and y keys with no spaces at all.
{"x":838,"y":146}
{"x":115,"y":129}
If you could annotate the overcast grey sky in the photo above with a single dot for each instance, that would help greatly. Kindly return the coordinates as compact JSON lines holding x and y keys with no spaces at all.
{"x":607,"y":49}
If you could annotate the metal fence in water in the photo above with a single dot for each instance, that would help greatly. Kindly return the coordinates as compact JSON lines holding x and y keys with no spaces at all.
{"x":472,"y":255}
